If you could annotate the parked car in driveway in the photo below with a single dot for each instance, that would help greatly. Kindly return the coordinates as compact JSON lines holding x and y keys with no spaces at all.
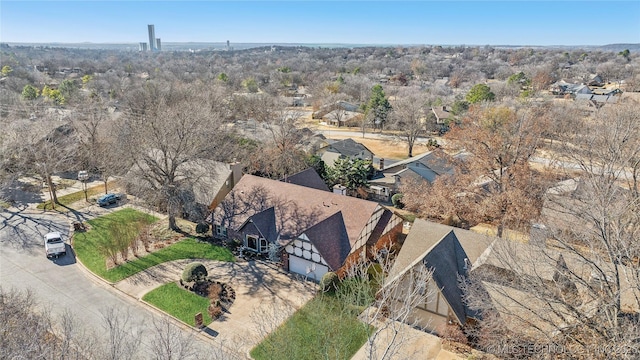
{"x":54,"y":245}
{"x":109,"y":199}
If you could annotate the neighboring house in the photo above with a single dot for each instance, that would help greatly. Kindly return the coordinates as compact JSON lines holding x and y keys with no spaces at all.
{"x":450,"y":253}
{"x":297,"y":99}
{"x":313,"y":143}
{"x":210,"y":181}
{"x":347,"y":148}
{"x":312,"y":231}
{"x":518,"y":278}
{"x":564,"y":88}
{"x":308,"y":178}
{"x":340,"y":117}
{"x":596,"y":80}
{"x":441,"y":114}
{"x":597,"y":101}
{"x":338,"y":105}
{"x":427,"y":167}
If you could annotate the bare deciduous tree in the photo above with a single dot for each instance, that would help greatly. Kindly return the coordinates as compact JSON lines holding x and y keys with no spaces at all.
{"x":163,"y":131}
{"x":169,"y":342}
{"x":43,"y":150}
{"x":576,"y":286}
{"x":99,"y":149}
{"x":280,"y":154}
{"x":122,"y":342}
{"x":30,"y":331}
{"x":408,"y":116}
{"x":391,"y":312}
{"x":498,"y":179}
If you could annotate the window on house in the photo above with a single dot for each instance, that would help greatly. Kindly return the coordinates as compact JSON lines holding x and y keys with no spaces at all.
{"x":221,"y":231}
{"x":263,"y":245}
{"x":252,"y":242}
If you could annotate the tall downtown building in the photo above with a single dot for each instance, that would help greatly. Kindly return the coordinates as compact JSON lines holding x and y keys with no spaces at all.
{"x":152,"y":37}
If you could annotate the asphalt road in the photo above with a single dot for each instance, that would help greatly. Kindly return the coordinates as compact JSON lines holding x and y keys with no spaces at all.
{"x":61,"y":283}
{"x":368,"y":135}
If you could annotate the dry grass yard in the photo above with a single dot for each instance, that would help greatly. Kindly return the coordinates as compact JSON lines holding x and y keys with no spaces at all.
{"x":386,"y":148}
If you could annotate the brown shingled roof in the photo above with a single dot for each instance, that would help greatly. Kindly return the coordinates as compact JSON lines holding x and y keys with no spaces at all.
{"x":297,"y":207}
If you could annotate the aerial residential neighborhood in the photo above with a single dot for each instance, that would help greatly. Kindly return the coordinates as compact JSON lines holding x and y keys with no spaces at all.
{"x":347,"y":190}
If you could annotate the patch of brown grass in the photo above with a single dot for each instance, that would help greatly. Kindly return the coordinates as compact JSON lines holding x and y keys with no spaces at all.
{"x":391,"y":149}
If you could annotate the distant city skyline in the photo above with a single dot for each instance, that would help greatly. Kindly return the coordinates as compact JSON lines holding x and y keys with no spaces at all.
{"x":535,"y":23}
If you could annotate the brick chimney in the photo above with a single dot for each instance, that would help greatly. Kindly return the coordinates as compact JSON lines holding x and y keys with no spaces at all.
{"x":381,"y":164}
{"x":236,"y":171}
{"x":339,"y":189}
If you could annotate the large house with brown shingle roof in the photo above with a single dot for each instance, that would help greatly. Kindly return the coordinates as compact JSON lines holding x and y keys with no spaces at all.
{"x":312,"y":231}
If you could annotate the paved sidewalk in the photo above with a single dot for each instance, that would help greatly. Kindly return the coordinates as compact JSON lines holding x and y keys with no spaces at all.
{"x":265,"y":297}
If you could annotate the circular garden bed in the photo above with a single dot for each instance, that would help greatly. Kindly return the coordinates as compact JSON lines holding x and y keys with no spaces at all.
{"x":220,"y":294}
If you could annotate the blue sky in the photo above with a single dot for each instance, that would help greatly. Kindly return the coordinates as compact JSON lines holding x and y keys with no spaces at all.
{"x":322,"y":22}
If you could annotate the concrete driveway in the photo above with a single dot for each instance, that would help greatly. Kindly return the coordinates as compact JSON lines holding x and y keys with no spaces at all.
{"x":265,"y":297}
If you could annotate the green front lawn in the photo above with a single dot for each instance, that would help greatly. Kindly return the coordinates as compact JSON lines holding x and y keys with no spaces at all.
{"x":86,"y":246}
{"x":324,"y":328}
{"x":179,"y":302}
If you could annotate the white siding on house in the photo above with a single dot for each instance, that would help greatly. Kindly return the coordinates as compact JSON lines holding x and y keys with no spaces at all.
{"x":304,"y":259}
{"x":393,"y":222}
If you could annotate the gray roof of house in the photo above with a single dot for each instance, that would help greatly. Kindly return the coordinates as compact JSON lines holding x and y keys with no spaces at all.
{"x":347,"y":147}
{"x":440,"y":112}
{"x":265,"y":221}
{"x":447,"y":261}
{"x":427,"y":166}
{"x":583,"y":96}
{"x":444,"y":249}
{"x":611,"y":99}
{"x":330,"y":238}
{"x":400,"y":164}
{"x":437,"y":161}
{"x":308,"y":178}
{"x":423,"y":172}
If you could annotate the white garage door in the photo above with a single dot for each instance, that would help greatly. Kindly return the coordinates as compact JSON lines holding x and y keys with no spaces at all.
{"x":306,"y":268}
